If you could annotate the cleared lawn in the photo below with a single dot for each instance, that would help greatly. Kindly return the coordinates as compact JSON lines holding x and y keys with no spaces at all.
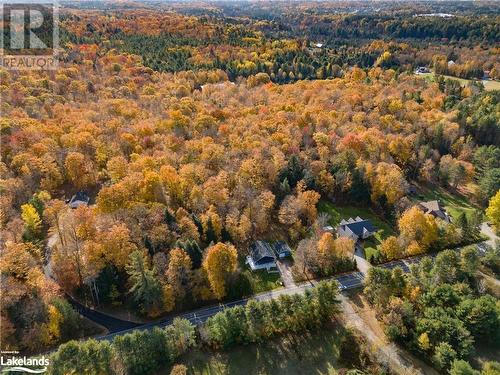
{"x":315,"y":353}
{"x":454,"y":204}
{"x":261,"y":280}
{"x":252,"y":282}
{"x":488,"y":85}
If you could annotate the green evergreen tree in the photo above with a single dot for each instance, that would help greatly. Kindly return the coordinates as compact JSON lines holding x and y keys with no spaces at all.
{"x":146,"y":289}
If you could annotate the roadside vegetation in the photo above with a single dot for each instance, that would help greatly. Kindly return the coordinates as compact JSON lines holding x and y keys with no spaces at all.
{"x":439,"y":310}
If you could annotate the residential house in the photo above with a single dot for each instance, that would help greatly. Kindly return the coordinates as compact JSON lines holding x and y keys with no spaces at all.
{"x":79,"y":199}
{"x":356,"y":228}
{"x":422,"y":70}
{"x":435,"y":209}
{"x":261,"y":256}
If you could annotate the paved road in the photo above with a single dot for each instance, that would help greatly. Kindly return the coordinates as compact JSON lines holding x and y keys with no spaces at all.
{"x":346,"y":281}
{"x":109,"y":322}
{"x":399,"y":263}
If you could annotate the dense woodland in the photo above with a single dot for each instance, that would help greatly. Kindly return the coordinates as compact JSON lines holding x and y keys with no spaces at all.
{"x":196,"y":135}
{"x":291,"y":51}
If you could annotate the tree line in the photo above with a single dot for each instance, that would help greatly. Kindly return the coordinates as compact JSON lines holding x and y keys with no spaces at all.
{"x":147,"y":351}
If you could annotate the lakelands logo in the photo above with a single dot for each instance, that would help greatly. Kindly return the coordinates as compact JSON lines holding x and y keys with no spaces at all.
{"x":29,"y":36}
{"x":24,"y":364}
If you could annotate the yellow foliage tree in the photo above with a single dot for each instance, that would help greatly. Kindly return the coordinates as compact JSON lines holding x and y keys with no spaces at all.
{"x":415,"y":225}
{"x":423,"y":341}
{"x":493,"y":210}
{"x":391,"y":248}
{"x":179,"y":272}
{"x":168,"y":298}
{"x":31,"y":218}
{"x":50,"y":330}
{"x":344,"y":247}
{"x":414,"y":249}
{"x":220,"y":263}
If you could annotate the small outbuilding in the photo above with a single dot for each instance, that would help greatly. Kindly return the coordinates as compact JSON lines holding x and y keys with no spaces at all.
{"x":79,"y":199}
{"x":328,"y":228}
{"x":282,"y":250}
{"x":261,"y":256}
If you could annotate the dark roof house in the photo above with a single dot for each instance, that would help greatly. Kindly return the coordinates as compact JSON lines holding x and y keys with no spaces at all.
{"x":282,"y":249}
{"x":356,"y":228}
{"x":435,"y":209}
{"x":79,"y":199}
{"x":422,"y":70}
{"x":261,"y":256}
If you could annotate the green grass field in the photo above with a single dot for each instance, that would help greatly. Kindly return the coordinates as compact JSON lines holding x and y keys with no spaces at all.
{"x":261,"y":280}
{"x":488,"y":85}
{"x":337,"y":213}
{"x":316,"y":353}
{"x":257,"y":281}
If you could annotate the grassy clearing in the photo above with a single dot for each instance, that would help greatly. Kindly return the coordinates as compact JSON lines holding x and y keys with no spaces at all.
{"x":316,"y":353}
{"x":261,"y":280}
{"x":337,"y":213}
{"x":488,"y":85}
{"x":257,"y":281}
{"x":454,"y":204}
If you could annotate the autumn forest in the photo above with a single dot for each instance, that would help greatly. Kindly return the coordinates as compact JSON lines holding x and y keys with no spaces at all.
{"x":197,"y":129}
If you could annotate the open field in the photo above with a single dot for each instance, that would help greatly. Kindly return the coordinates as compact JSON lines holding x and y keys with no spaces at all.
{"x":337,"y":213}
{"x":316,"y":353}
{"x":488,"y":85}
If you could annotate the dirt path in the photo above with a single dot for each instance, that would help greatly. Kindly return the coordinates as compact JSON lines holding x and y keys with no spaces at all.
{"x":488,"y":231}
{"x":285,"y":268}
{"x":362,"y":264}
{"x":363,"y":319}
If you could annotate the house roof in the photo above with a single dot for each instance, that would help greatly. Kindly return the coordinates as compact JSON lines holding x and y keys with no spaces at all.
{"x":431,"y":206}
{"x":282,"y":247}
{"x":261,"y":249}
{"x":80,"y":197}
{"x":358,"y":225}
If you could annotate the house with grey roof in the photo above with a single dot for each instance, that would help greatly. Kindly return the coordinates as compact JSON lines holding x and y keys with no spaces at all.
{"x":282,"y":250}
{"x":261,"y":256}
{"x":79,"y":199}
{"x":435,"y":209}
{"x":356,"y":229}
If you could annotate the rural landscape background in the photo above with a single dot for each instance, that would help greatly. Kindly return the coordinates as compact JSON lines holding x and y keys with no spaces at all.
{"x":255,"y":187}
